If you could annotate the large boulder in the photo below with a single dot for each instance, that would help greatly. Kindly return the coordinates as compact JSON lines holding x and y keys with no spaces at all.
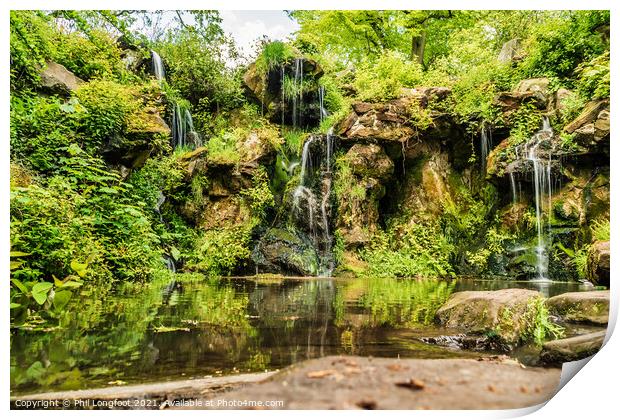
{"x":570,"y":349}
{"x":588,"y":115}
{"x":510,"y":51}
{"x":598,"y":265}
{"x":286,"y":252}
{"x":506,"y":313}
{"x":591,"y":307}
{"x":55,"y":78}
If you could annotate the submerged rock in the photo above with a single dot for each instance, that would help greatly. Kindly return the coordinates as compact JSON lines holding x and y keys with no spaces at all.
{"x":282,"y":251}
{"x":598,"y":266}
{"x":579,"y":347}
{"x":506,"y":313}
{"x":592,"y":307}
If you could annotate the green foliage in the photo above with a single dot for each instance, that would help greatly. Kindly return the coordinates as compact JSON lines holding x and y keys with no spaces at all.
{"x":601,"y":230}
{"x":109,"y":106}
{"x":524,"y":122}
{"x":273,"y":55}
{"x":594,"y":76}
{"x":539,"y":327}
{"x":413,"y":251}
{"x":218,"y":251}
{"x":384,"y":78}
{"x":259,"y":196}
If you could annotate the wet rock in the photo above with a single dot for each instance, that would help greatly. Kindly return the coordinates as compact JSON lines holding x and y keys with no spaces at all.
{"x":579,"y":347}
{"x":591,"y":307}
{"x":258,"y":148}
{"x":598,"y":265}
{"x":55,"y":78}
{"x":506,"y":313}
{"x":370,"y":160}
{"x":282,"y":251}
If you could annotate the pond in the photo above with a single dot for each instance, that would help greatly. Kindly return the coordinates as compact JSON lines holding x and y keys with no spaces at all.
{"x":195,"y":327}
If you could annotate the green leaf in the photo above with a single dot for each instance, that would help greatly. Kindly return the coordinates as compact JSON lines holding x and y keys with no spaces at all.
{"x":71,"y":284}
{"x":35,"y":370}
{"x":40,"y":291}
{"x":15,"y":305}
{"x":79,"y":268}
{"x":16,"y":264}
{"x":61,"y":298}
{"x":19,"y":254}
{"x":175,"y":253}
{"x":20,"y":286}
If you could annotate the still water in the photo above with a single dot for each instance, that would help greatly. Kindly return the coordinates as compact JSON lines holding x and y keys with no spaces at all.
{"x":195,"y":327}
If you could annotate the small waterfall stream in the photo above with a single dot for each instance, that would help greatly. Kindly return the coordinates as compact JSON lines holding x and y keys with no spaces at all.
{"x":486,"y":145}
{"x":183,"y":133}
{"x":158,"y":66}
{"x":543,"y":189}
{"x":311,"y":208}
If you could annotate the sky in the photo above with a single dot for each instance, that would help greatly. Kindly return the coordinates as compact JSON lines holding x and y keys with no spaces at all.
{"x":246,"y":26}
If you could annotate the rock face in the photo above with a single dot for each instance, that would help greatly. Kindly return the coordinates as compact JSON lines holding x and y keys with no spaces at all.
{"x":598,"y":266}
{"x":506,"y":313}
{"x":55,"y":78}
{"x":391,"y":121}
{"x":281,"y":250}
{"x":358,"y":213}
{"x":592,"y":307}
{"x":574,"y":348}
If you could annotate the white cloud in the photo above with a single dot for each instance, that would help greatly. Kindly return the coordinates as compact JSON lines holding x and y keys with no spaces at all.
{"x":247,"y":26}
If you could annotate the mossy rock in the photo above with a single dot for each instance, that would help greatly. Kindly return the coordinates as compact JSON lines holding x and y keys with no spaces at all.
{"x":506,"y":314}
{"x":286,"y":252}
{"x":589,"y":307}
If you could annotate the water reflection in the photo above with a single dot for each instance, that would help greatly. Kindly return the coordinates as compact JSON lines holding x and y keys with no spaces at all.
{"x":196,"y":326}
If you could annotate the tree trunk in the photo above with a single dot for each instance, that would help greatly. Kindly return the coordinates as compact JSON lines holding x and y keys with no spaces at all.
{"x":418,"y":42}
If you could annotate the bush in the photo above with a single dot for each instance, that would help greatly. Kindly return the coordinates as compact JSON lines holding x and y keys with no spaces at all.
{"x":218,"y":251}
{"x":273,"y":55}
{"x":383,"y":79}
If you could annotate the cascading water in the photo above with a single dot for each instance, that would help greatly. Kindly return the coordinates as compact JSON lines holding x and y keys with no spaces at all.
{"x":183,"y":133}
{"x":486,"y":144}
{"x":297,"y":98}
{"x":543,"y":188}
{"x":311,"y":207}
{"x":158,"y":66}
{"x":322,"y":110}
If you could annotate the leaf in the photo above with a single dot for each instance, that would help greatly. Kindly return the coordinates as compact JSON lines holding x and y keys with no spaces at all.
{"x":175,"y":253}
{"x":79,"y":268}
{"x":35,"y":370}
{"x":71,"y":284}
{"x":15,"y":305}
{"x":20,"y":286}
{"x":19,"y":254}
{"x":57,"y":281}
{"x":61,"y":298}
{"x":40,"y":291}
{"x":16,"y":264}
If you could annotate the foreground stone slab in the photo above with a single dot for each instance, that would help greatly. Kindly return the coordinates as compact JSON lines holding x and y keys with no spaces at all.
{"x":506,"y":312}
{"x":381,"y":383}
{"x":156,"y":393}
{"x":574,"y":348}
{"x":592,"y":307}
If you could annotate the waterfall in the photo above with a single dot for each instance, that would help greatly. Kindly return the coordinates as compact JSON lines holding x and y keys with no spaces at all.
{"x":486,"y":144}
{"x":513,"y":187}
{"x":311,"y":206}
{"x":322,"y":110}
{"x":542,"y":189}
{"x":298,"y":90}
{"x":183,"y":133}
{"x":158,"y":66}
{"x":160,"y":201}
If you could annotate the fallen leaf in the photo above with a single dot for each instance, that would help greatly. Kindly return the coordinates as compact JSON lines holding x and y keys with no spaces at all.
{"x":321,"y":373}
{"x":414,"y":384}
{"x":396,"y":367}
{"x":523,"y":389}
{"x":491,"y":388}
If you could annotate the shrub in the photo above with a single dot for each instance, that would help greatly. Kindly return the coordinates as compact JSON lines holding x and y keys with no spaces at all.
{"x":383,"y":79}
{"x":273,"y":55}
{"x":218,"y":251}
